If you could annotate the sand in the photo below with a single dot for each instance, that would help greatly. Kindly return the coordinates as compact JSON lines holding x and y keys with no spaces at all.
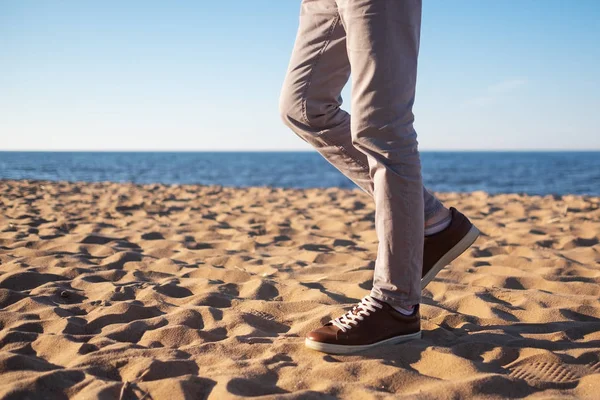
{"x":166,"y":292}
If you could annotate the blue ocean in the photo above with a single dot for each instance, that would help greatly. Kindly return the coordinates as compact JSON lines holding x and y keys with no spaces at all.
{"x":494,"y":172}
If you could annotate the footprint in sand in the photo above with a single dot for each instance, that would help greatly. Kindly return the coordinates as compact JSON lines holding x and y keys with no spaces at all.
{"x":553,"y":372}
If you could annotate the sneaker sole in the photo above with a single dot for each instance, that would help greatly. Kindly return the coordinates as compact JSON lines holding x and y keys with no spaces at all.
{"x":341,"y":349}
{"x":451,"y":255}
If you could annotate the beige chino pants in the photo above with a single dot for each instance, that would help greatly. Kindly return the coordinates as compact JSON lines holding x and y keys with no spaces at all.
{"x":377,"y":148}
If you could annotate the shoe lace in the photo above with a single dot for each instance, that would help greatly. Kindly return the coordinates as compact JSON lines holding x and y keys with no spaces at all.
{"x":358,"y":313}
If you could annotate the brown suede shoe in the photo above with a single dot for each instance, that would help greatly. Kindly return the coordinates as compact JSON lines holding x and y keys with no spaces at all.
{"x":443,"y":247}
{"x":369,"y":324}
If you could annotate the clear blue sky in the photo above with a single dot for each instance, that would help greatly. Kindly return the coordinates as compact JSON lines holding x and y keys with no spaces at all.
{"x":206,"y":75}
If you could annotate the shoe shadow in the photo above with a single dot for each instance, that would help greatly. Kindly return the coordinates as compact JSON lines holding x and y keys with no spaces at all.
{"x":513,"y":362}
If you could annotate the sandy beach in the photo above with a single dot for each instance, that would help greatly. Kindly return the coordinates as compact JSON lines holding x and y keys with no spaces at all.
{"x":171,"y":292}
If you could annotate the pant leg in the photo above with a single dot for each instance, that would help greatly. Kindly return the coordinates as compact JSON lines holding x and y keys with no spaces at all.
{"x":382,"y":45}
{"x":311,"y":96}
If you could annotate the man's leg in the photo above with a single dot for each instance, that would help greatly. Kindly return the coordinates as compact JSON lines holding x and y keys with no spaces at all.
{"x":383,"y":44}
{"x":311,"y":96}
{"x":380,"y":154}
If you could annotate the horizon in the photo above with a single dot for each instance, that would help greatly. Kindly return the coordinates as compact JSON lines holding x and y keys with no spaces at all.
{"x":307,"y":151}
{"x":532,"y":172}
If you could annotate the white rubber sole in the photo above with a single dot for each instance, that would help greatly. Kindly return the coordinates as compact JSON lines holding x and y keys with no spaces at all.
{"x":451,"y":255}
{"x":340,"y":349}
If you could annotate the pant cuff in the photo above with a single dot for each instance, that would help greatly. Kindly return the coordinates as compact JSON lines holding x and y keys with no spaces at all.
{"x":395,"y":301}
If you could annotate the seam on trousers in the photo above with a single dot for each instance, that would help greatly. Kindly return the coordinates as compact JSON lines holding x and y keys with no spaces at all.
{"x":312,"y":70}
{"x":363,"y":166}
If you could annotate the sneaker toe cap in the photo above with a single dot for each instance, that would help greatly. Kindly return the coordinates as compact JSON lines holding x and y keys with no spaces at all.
{"x":325,"y":334}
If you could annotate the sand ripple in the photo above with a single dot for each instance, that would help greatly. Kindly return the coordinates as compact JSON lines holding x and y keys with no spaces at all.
{"x":111,"y":290}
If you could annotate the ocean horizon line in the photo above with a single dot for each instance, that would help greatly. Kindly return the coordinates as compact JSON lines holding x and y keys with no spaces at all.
{"x":308,"y":151}
{"x":532,"y":172}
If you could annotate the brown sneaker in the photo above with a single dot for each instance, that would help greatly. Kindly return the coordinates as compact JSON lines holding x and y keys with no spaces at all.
{"x":443,"y":247}
{"x":369,"y":324}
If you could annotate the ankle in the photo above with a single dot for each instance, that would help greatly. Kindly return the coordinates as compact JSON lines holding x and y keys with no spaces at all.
{"x":438,"y":222}
{"x":405,"y":310}
{"x":439,"y":215}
